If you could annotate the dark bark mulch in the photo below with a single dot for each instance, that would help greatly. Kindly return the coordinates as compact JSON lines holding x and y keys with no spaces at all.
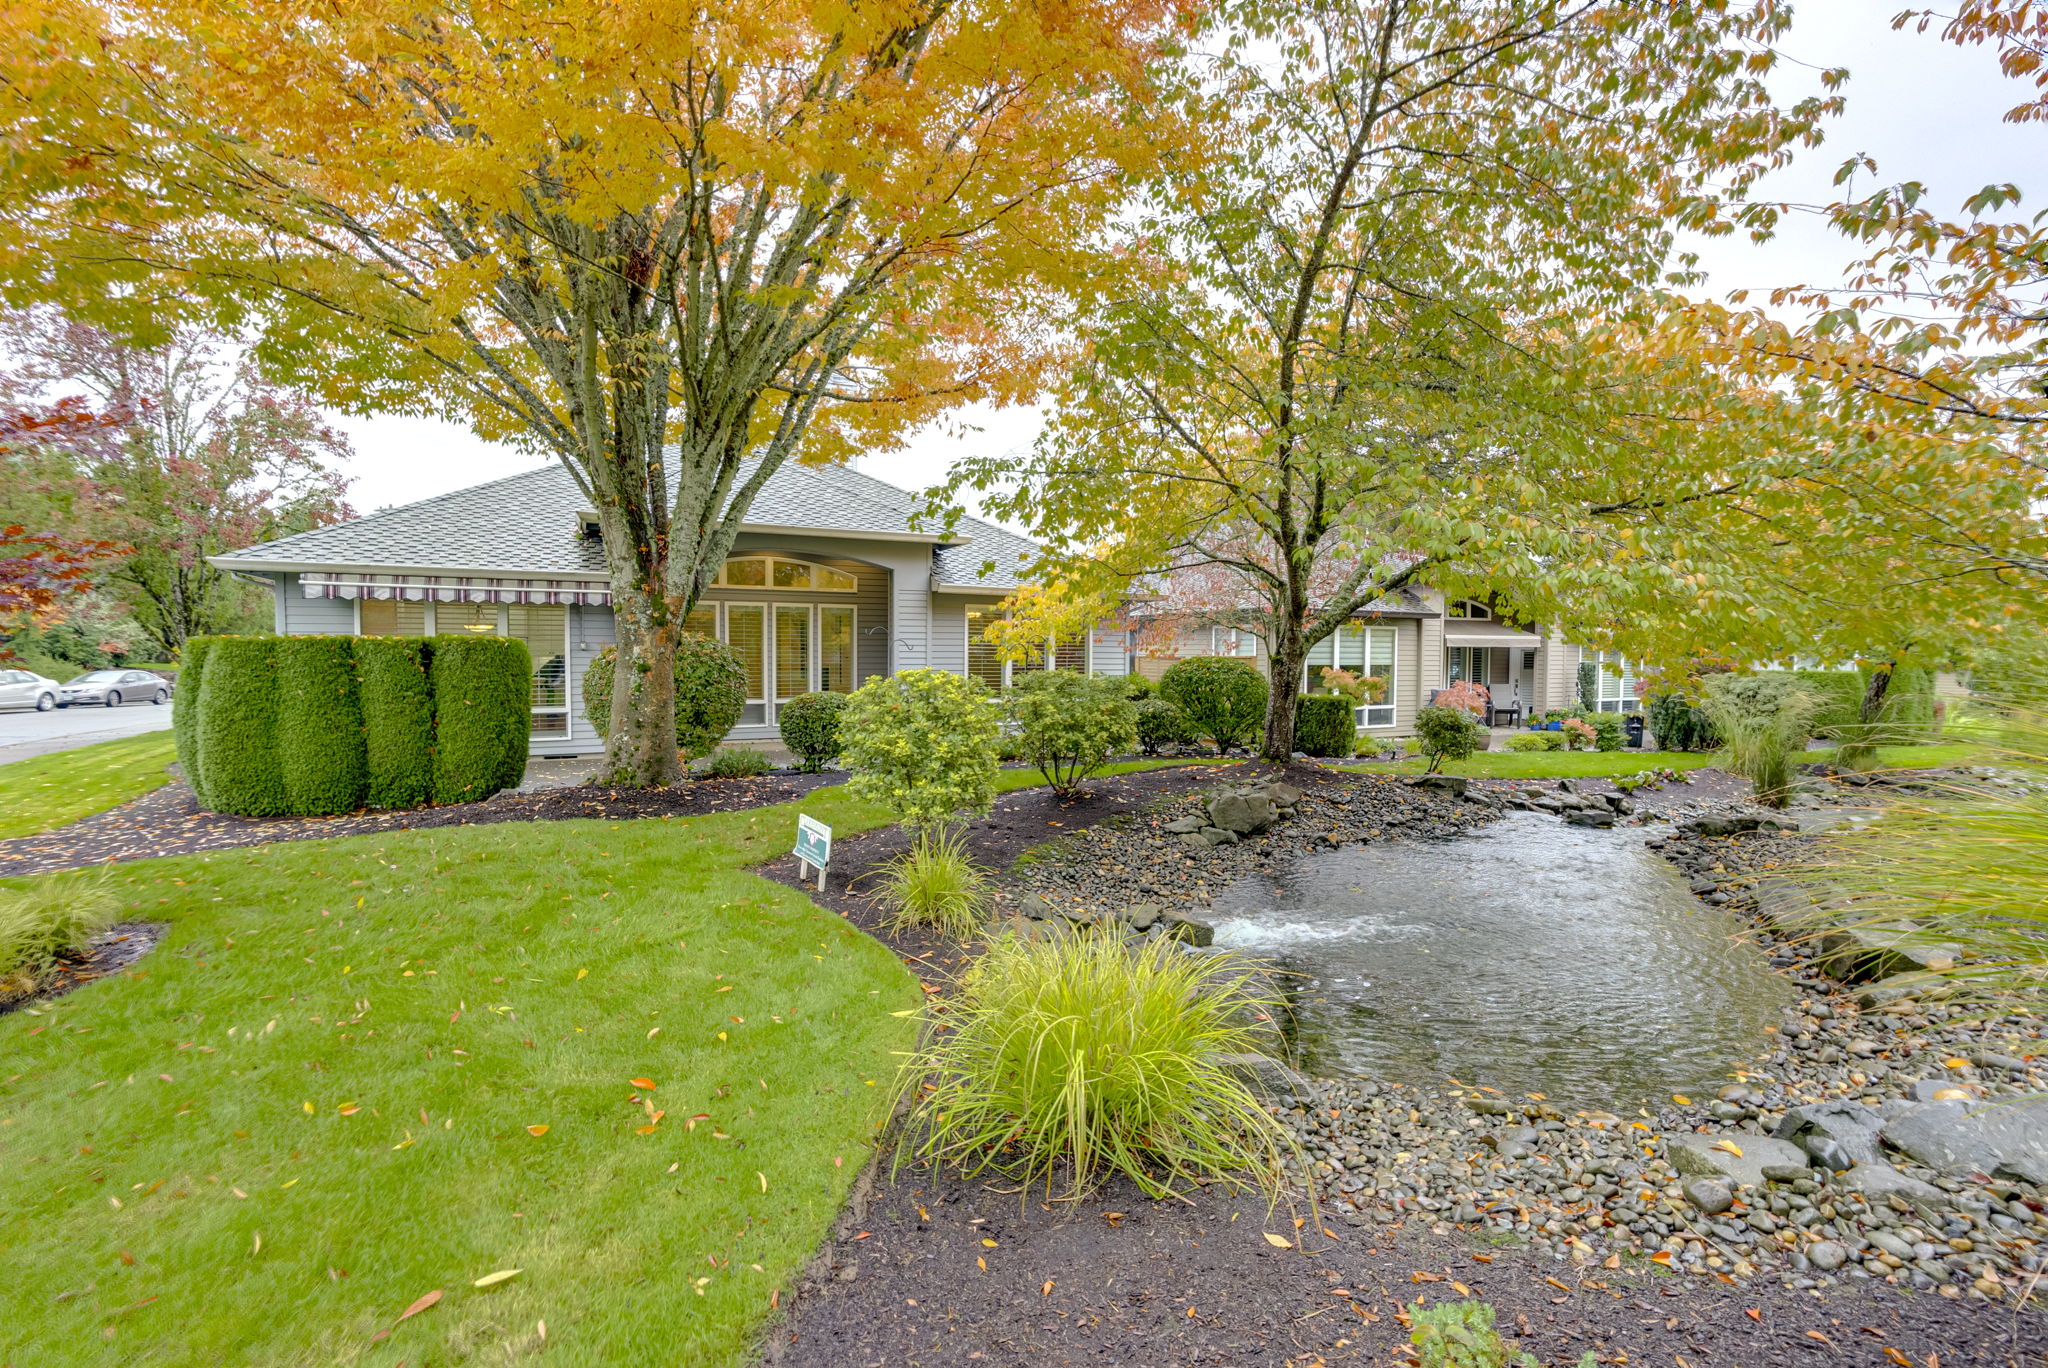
{"x":110,"y":952}
{"x":1122,"y":1280}
{"x":170,"y":822}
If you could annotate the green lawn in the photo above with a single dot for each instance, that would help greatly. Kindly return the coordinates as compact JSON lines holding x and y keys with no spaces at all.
{"x":314,"y":1103}
{"x":1923,"y":757}
{"x":47,"y":791}
{"x":1507,"y":764}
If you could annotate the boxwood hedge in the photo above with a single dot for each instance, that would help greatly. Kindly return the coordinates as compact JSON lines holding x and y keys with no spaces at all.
{"x":185,"y":713}
{"x":483,"y":714}
{"x":1324,"y":725}
{"x":398,"y":720}
{"x":319,"y":725}
{"x":238,"y":756}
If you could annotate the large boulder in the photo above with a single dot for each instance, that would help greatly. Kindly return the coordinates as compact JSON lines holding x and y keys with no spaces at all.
{"x":1880,"y":1182}
{"x":1736,"y":1155}
{"x":1838,"y":1135}
{"x":1453,"y":785}
{"x":1188,"y":929}
{"x":1244,"y":812}
{"x":1998,"y":1137}
{"x":1732,"y":824}
{"x":1875,"y":950}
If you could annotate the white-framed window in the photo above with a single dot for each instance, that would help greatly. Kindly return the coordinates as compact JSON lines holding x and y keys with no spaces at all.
{"x":985,"y":663}
{"x":1469,"y":610}
{"x":1368,"y":652}
{"x":543,"y":627}
{"x":1615,"y":684}
{"x":1233,"y":641}
{"x":777,"y":572}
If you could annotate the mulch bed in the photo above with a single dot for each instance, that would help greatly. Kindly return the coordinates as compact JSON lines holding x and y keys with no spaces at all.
{"x":170,"y":822}
{"x":110,"y":952}
{"x":1198,"y":1283}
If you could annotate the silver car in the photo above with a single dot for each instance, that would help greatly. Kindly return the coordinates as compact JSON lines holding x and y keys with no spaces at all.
{"x":112,"y":688}
{"x":26,"y":689}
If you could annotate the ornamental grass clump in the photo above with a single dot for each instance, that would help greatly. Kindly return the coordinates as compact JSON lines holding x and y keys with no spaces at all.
{"x":54,"y":916}
{"x":1071,"y":1059}
{"x":936,"y":885}
{"x":1763,"y":725}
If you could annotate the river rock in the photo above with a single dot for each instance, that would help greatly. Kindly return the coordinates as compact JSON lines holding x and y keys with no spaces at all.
{"x":1452,"y":784}
{"x":1590,"y":817}
{"x":1142,"y":916}
{"x":1732,"y":824}
{"x":1711,"y":1195}
{"x":1713,"y":1156}
{"x":1217,"y":836}
{"x":1849,"y":1127}
{"x":1881,"y":1181}
{"x":1244,"y":813}
{"x":1828,"y":1256}
{"x":1181,"y":826}
{"x":2000,"y":1137}
{"x":1266,"y":1076}
{"x":1188,"y":929}
{"x":1857,"y":954}
{"x":1899,"y":987}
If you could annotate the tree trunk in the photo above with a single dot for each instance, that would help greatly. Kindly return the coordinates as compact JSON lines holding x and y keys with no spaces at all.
{"x":1874,"y":694}
{"x":640,"y":752}
{"x":1287,"y":655}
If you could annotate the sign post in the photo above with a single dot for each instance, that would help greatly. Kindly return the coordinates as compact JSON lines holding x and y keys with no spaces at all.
{"x":813,"y":848}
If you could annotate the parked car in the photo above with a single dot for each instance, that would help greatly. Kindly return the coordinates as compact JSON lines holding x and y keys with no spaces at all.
{"x":112,"y":688}
{"x":26,"y":689}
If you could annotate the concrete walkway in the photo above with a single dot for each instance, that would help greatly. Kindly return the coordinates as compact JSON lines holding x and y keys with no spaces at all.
{"x":29,"y":733}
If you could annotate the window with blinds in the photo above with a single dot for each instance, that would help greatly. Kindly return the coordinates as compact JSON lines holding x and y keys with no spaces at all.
{"x":1368,"y":652}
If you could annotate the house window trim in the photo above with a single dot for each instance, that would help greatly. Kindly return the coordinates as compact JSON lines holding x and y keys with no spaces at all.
{"x":1362,"y":715}
{"x":1243,"y":633}
{"x":1467,"y":610}
{"x":1623,"y":698}
{"x":1009,"y":676}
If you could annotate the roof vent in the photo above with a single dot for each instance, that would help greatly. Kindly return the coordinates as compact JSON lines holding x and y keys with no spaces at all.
{"x":588,"y":527}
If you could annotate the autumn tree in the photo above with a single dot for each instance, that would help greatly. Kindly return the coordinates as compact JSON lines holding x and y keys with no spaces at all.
{"x":1340,"y":356}
{"x":198,"y":453}
{"x":675,"y":249}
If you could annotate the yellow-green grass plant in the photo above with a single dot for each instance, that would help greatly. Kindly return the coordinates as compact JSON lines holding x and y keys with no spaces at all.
{"x":1069,"y":1058}
{"x":45,"y":792}
{"x":50,"y":918}
{"x":936,"y":885}
{"x":240,"y":1113}
{"x":1970,"y":866}
{"x":1763,"y":735}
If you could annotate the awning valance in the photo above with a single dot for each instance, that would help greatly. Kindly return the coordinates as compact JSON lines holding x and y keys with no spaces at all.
{"x":453,"y":589}
{"x":1462,"y":632}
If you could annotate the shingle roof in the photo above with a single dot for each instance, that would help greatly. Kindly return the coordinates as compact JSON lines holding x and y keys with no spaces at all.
{"x":526,"y":524}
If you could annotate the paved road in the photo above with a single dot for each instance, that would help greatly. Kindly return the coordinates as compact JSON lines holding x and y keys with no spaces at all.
{"x":27,"y":732}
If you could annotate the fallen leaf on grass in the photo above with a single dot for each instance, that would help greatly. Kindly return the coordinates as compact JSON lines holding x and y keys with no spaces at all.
{"x":493,"y":1279}
{"x":1278,"y":1241}
{"x":536,"y":1130}
{"x":644,"y":1084}
{"x":422,"y":1304}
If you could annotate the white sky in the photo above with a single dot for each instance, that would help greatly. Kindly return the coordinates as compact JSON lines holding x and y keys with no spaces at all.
{"x":1926,"y":110}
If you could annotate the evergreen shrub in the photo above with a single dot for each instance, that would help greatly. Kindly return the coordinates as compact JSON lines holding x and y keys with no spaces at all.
{"x":736,"y":762}
{"x":1162,"y":724}
{"x":1589,"y":684}
{"x":923,"y":744}
{"x":1679,"y":725}
{"x":483,"y":714}
{"x":1446,"y":734}
{"x":397,"y":705}
{"x":1222,"y":698}
{"x":1324,"y":724}
{"x":810,"y":727}
{"x":1070,"y":724}
{"x":1532,"y":741}
{"x":711,"y":693}
{"x":237,"y":731}
{"x":1609,"y":731}
{"x":320,"y":748}
{"x":185,"y":715}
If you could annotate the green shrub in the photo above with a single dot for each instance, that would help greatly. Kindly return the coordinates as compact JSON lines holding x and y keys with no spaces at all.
{"x":1162,"y":724}
{"x":320,"y":749}
{"x":1589,"y":684}
{"x":923,"y":744}
{"x":736,"y":762}
{"x":810,"y":727}
{"x":185,"y":715}
{"x":238,"y":754}
{"x":53,"y":916}
{"x":711,"y":693}
{"x":936,"y":885}
{"x":397,"y":704}
{"x":1678,"y":724}
{"x":1069,"y":725}
{"x":1324,"y":724}
{"x":1222,"y":698}
{"x":1529,"y":741}
{"x":1073,"y":1058}
{"x":1446,"y":734}
{"x":1137,"y":688}
{"x":483,"y":714}
{"x":1610,"y":732}
{"x":1764,"y":721}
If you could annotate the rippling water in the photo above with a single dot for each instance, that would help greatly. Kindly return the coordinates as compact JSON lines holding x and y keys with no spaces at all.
{"x":1533,"y":957}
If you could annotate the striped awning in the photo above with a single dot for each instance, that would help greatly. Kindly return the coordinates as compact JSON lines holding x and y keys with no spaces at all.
{"x":453,"y":589}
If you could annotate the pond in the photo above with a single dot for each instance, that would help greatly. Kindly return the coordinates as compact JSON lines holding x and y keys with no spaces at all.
{"x":1532,"y":957}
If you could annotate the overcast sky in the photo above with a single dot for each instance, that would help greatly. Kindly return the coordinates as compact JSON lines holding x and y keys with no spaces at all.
{"x":1924,"y":109}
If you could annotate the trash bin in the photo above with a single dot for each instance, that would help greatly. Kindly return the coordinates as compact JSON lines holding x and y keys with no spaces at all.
{"x":1635,"y":731}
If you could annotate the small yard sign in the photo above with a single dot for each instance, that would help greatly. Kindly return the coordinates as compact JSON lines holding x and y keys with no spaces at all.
{"x":813,"y":848}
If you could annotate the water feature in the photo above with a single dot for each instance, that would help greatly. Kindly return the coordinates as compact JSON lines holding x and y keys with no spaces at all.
{"x":1532,"y":957}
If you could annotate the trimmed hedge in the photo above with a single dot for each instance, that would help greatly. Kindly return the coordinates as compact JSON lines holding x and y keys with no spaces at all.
{"x":319,"y":725}
{"x":185,"y":712}
{"x":711,"y":693}
{"x":1222,"y":697}
{"x":1324,"y":725}
{"x":483,"y":714}
{"x":810,"y":727}
{"x":398,"y":720}
{"x":237,"y":730}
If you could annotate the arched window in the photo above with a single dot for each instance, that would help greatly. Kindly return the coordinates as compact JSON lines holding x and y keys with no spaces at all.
{"x":774,"y":572}
{"x":1472,"y":610}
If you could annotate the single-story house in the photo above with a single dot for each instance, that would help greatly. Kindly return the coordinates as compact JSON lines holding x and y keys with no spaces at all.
{"x":830,"y":583}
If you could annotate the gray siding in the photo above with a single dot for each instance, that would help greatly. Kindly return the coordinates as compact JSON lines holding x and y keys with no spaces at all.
{"x":948,"y":648}
{"x":301,"y":616}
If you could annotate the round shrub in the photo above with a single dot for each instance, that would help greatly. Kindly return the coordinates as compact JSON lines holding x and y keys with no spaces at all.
{"x":319,"y":725}
{"x":711,"y":693}
{"x":810,"y":727}
{"x":1069,"y":724}
{"x":238,"y":729}
{"x":1324,"y":724}
{"x":1222,"y":699}
{"x":923,"y":744}
{"x":1137,"y":688}
{"x":1446,"y":734}
{"x":185,"y":713}
{"x":1527,"y":742}
{"x":1162,"y":724}
{"x":397,"y":704}
{"x":483,"y":714}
